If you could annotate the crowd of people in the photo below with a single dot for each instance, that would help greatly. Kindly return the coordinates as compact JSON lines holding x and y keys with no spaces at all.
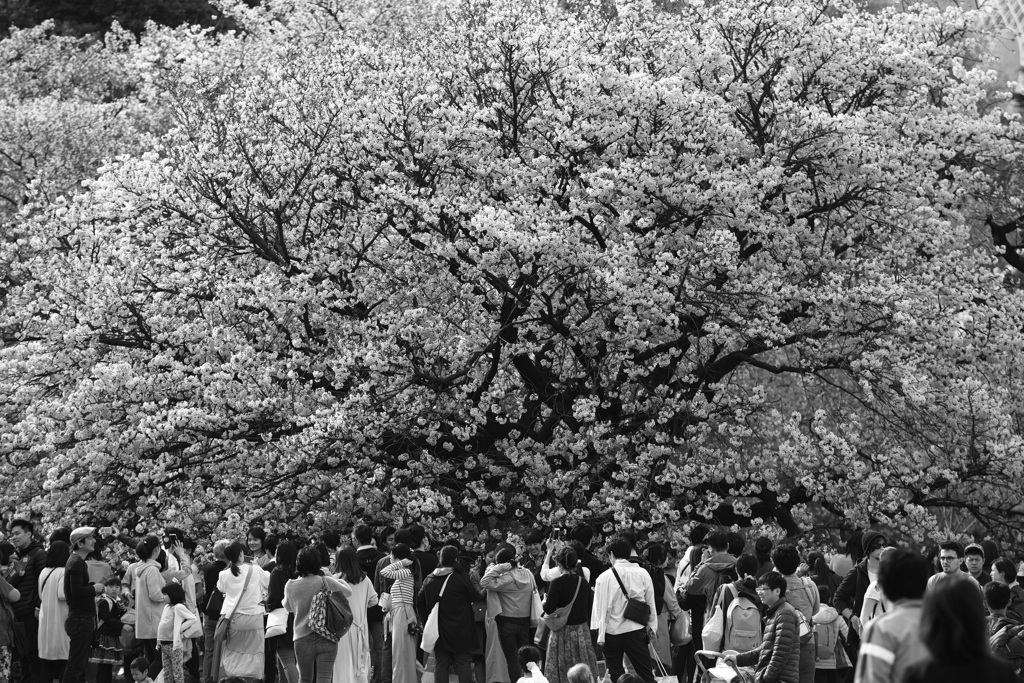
{"x":268,"y":609}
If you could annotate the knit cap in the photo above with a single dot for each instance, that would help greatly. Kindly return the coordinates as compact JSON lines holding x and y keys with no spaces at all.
{"x":870,"y":539}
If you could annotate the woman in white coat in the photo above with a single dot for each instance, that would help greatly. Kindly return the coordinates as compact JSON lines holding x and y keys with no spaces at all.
{"x":353,"y":662}
{"x":54,"y":643}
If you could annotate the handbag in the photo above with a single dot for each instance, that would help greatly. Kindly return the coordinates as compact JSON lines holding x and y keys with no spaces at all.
{"x":431,"y":630}
{"x":223,"y":632}
{"x":636,"y":610}
{"x":679,"y":630}
{"x":661,"y":674}
{"x":536,"y":609}
{"x":556,"y":620}
{"x":277,"y":623}
{"x":842,"y":656}
{"x":714,"y":630}
{"x":41,"y":589}
{"x":329,"y":614}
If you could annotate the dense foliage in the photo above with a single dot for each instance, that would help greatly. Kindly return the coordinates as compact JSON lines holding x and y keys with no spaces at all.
{"x":504,"y":259}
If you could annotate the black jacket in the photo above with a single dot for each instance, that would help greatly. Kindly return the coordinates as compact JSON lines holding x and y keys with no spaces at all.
{"x":27,"y":584}
{"x":368,"y":559}
{"x":455,"y":618}
{"x":850,"y":594}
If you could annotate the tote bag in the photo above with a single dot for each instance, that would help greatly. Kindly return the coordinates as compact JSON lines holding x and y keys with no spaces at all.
{"x":431,"y":630}
{"x":556,"y":620}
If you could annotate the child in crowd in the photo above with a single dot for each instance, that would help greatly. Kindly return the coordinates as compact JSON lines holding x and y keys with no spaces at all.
{"x":106,"y":649}
{"x":140,"y":670}
{"x":530,"y":660}
{"x":580,"y":673}
{"x":174,"y":621}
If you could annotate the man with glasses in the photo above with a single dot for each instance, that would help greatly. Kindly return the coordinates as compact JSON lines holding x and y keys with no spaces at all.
{"x":778,"y":657}
{"x":951,"y":554}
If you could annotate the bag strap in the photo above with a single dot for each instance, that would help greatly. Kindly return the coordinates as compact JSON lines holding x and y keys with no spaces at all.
{"x":579,"y":584}
{"x":620,"y":583}
{"x":443,"y":586}
{"x":245,"y":585}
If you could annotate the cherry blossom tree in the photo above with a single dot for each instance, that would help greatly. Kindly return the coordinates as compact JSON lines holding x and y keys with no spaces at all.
{"x":512,"y":259}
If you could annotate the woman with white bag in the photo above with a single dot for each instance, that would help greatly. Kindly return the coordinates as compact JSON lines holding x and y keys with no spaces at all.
{"x":353,"y":662}
{"x":451,"y":592}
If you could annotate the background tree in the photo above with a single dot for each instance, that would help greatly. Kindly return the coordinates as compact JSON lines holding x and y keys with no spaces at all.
{"x":511,"y":260}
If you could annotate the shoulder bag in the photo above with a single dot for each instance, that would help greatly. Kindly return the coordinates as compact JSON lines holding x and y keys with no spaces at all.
{"x":636,"y":610}
{"x":223,"y":632}
{"x":40,"y":598}
{"x":431,"y":629}
{"x":556,"y":620}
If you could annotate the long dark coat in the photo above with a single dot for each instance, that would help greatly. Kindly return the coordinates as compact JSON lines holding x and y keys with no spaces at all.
{"x":456,"y":625}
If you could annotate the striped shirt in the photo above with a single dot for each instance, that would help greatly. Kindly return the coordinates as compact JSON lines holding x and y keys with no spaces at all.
{"x":402,"y":588}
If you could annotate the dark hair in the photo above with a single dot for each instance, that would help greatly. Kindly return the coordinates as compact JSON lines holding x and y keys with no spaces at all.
{"x":58,"y":554}
{"x":449,"y":557}
{"x":619,"y":547}
{"x":773,"y":580}
{"x":162,"y":559}
{"x":736,"y":543}
{"x":747,"y":565}
{"x":698,"y":534}
{"x":174,"y":592}
{"x":112,"y":581}
{"x":270,"y":545}
{"x":234,"y":554}
{"x":991,"y":552}
{"x":383,"y":538}
{"x":786,"y":559}
{"x":61,"y":534}
{"x":146,"y":547}
{"x":309,"y":562}
{"x":418,"y":534}
{"x":820,"y":567}
{"x":506,"y":553}
{"x":363,"y":534}
{"x":824,"y":593}
{"x":953,"y":626}
{"x":527,"y":654}
{"x":566,"y":557}
{"x":140,"y":664}
{"x":954,"y":546}
{"x":997,"y":595}
{"x":259,"y":533}
{"x":346,"y":562}
{"x":6,"y":550}
{"x":583,"y":533}
{"x":404,"y":536}
{"x":28,"y":526}
{"x":854,"y":548}
{"x":287,"y":553}
{"x":655,"y":553}
{"x":401,"y":552}
{"x":903,"y":575}
{"x":331,"y":538}
{"x":718,"y":540}
{"x":1005,"y":567}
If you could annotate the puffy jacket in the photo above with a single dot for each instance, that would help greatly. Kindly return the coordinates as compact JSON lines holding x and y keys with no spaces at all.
{"x":778,"y":658}
{"x":27,"y":584}
{"x":850,"y":594}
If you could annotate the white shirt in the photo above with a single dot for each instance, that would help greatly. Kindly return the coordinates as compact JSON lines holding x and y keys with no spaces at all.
{"x":610,"y":604}
{"x":231,"y":586}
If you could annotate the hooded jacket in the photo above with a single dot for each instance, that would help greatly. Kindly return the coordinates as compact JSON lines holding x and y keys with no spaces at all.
{"x":830,"y":617}
{"x":720,"y":568}
{"x":778,"y":658}
{"x":27,"y":583}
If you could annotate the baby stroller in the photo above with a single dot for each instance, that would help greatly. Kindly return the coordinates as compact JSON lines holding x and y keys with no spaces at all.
{"x":723,"y":671}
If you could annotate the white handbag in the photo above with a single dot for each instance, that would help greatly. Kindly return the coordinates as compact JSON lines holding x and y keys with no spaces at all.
{"x":431,"y":630}
{"x":714,"y":629}
{"x":277,"y":622}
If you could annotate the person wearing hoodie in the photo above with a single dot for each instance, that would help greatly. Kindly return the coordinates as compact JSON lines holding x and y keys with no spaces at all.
{"x":777,"y":660}
{"x":829,"y":627}
{"x":892,"y":642}
{"x":453,"y":592}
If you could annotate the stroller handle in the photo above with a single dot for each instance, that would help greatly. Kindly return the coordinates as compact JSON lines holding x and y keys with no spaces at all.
{"x":707,"y":653}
